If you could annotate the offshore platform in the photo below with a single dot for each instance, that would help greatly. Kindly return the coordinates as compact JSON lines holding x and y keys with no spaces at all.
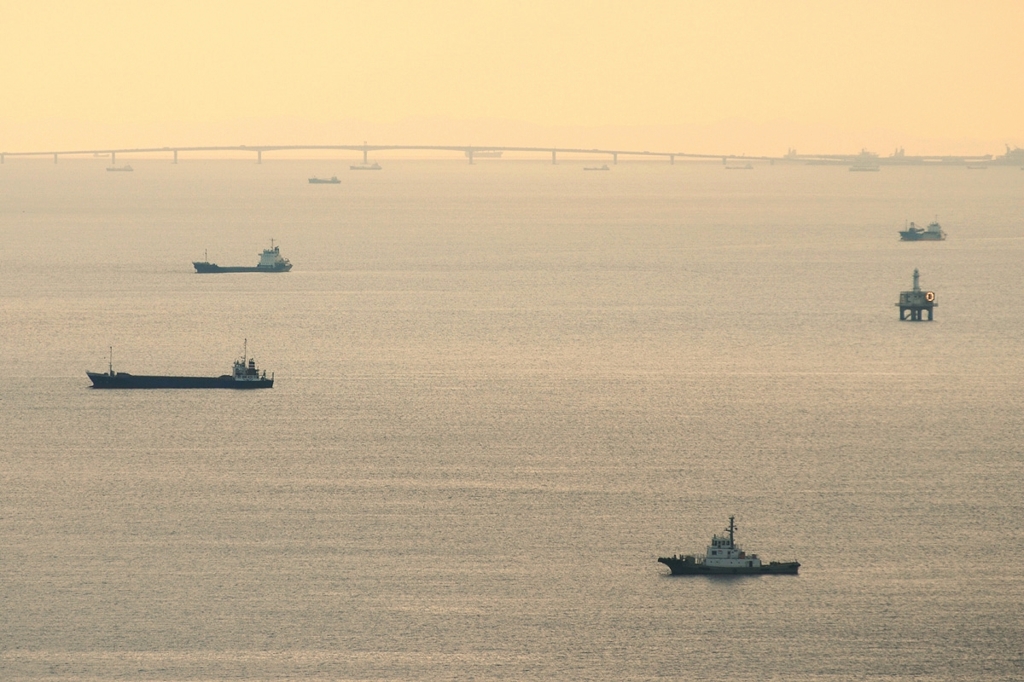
{"x":913,"y":304}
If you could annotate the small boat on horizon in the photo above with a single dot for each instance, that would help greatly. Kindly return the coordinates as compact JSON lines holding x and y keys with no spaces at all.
{"x":372,"y":166}
{"x":746,"y":166}
{"x":597,"y":168}
{"x":333,"y":180}
{"x":120,"y":168}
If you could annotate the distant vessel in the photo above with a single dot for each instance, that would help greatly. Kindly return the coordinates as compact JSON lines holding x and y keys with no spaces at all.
{"x":244,"y":375}
{"x":372,"y":166}
{"x":977,"y":166}
{"x":333,"y":180}
{"x":1013,"y":157}
{"x":120,"y":168}
{"x":913,"y":233}
{"x":865,"y":161}
{"x":747,"y":166}
{"x":270,"y":261}
{"x":597,"y":168}
{"x":725,"y":557}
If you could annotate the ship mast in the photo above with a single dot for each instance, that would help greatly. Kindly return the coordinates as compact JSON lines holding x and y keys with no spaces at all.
{"x":110,"y":365}
{"x":731,"y":529}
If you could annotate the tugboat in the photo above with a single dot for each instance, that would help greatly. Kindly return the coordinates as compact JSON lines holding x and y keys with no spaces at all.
{"x":725,"y":557}
{"x":244,"y":375}
{"x":270,"y":261}
{"x":333,"y":180}
{"x":913,"y":233}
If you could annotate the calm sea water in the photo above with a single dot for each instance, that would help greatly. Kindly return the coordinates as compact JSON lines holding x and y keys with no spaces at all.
{"x":502,"y":392}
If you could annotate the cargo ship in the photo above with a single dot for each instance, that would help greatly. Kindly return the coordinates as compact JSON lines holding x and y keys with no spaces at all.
{"x":244,"y":375}
{"x":372,"y":166}
{"x":270,"y":261}
{"x":333,"y":180}
{"x":725,"y":557}
{"x":932,"y":233}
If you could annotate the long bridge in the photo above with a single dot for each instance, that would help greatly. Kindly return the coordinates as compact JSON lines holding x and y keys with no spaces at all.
{"x":471,"y":151}
{"x":468,"y":151}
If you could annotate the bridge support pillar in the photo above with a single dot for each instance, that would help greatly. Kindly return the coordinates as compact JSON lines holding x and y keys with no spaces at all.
{"x":259,"y":156}
{"x":615,"y":159}
{"x":1,"y":159}
{"x":671,"y":159}
{"x":113,"y":158}
{"x":554,"y":159}
{"x":55,"y":158}
{"x":365,"y":160}
{"x":469,"y":153}
{"x":175,"y":156}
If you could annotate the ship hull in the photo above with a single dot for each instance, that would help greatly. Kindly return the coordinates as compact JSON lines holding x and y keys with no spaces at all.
{"x":124,"y":380}
{"x":315,"y":181}
{"x":213,"y":267}
{"x":684,"y":567}
{"x":921,"y":237}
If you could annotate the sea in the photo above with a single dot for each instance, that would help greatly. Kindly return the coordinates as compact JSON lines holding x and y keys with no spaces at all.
{"x":502,"y":391}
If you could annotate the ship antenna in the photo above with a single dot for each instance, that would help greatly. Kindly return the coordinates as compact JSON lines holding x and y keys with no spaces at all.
{"x":731,"y":528}
{"x":110,"y":366}
{"x":245,"y":351}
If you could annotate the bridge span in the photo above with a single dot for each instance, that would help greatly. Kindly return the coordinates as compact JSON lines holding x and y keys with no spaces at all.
{"x":468,"y":151}
{"x":1012,"y":157}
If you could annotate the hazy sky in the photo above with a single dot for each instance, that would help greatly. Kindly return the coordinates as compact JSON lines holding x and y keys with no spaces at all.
{"x":718,"y":76}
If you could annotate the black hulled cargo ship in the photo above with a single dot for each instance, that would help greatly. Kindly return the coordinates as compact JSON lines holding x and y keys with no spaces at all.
{"x":913,"y":233}
{"x":244,"y":375}
{"x":270,"y":261}
{"x":725,"y":557}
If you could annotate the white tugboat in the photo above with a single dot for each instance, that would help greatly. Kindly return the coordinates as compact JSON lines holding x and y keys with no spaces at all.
{"x":725,"y":557}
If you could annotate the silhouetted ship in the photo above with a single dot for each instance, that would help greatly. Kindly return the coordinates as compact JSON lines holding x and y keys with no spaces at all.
{"x":913,"y":233}
{"x":725,"y":557}
{"x":865,"y":161}
{"x":270,"y":261}
{"x":333,"y":180}
{"x":372,"y":166}
{"x":120,"y":168}
{"x":597,"y":168}
{"x":244,"y":375}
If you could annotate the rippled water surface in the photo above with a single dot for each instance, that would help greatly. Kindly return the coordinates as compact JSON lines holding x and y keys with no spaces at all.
{"x":502,"y":391}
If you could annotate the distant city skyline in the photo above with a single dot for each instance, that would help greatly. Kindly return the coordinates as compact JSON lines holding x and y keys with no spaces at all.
{"x":733,"y":78}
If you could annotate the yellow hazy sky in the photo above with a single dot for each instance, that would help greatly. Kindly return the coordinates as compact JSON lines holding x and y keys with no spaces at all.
{"x":720,"y":77}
